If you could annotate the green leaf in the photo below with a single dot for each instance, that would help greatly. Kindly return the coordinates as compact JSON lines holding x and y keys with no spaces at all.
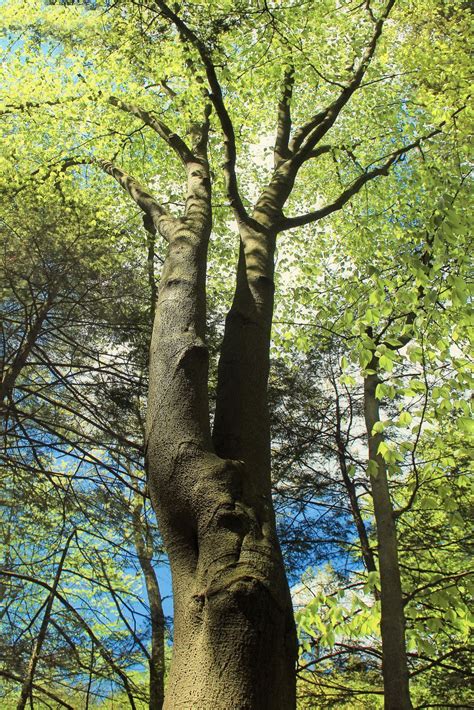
{"x":372,"y":468}
{"x":466,"y":424}
{"x":405,"y":419}
{"x":365,"y":356}
{"x":378,"y":427}
{"x":386,"y":363}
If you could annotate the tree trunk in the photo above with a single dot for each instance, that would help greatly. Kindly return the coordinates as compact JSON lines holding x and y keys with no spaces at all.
{"x":366,"y":550}
{"x":234,"y":637}
{"x":156,"y":661}
{"x":32,"y":332}
{"x":394,"y":658}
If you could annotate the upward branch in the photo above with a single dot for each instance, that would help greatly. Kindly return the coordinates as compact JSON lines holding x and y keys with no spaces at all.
{"x":172,"y":139}
{"x":217,"y":99}
{"x":150,"y":206}
{"x":32,"y":333}
{"x":141,"y":195}
{"x":310,"y":133}
{"x":354,"y":188}
{"x":281,"y":151}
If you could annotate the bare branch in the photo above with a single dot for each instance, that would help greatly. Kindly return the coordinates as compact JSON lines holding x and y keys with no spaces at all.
{"x":320,"y":150}
{"x":106,"y":655}
{"x":37,"y":646}
{"x":39,"y":688}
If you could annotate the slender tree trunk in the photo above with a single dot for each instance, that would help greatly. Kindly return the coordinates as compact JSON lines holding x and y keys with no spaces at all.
{"x":156,"y":662}
{"x":366,"y":550}
{"x":394,"y":658}
{"x":234,"y":638}
{"x":11,"y":373}
{"x":367,"y":554}
{"x":27,"y":685}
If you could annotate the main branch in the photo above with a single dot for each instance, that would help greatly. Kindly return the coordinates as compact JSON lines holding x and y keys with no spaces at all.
{"x":216,"y":96}
{"x":354,"y":188}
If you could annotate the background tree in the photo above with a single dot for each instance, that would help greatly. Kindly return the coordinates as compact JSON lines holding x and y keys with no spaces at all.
{"x":71,"y":418}
{"x":401,"y":343}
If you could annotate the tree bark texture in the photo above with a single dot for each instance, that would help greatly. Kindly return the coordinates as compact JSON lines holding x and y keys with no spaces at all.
{"x":234,"y":636}
{"x":394,"y":657}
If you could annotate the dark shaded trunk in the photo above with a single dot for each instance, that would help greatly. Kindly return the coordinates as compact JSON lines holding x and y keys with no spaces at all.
{"x":366,"y":550}
{"x":242,"y":425}
{"x":394,"y":658}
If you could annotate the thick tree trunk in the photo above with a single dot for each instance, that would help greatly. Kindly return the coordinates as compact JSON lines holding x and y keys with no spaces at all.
{"x":394,"y":658}
{"x":234,"y":641}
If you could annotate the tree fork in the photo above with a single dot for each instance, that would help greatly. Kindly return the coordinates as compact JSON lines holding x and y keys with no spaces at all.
{"x":234,"y":629}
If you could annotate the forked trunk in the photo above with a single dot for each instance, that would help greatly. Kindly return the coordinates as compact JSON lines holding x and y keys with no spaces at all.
{"x":234,"y":637}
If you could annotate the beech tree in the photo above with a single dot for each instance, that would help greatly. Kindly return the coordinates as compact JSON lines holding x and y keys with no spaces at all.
{"x":207,"y":84}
